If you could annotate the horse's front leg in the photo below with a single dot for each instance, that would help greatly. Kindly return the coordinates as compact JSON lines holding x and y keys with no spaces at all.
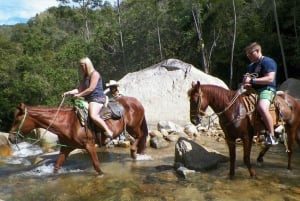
{"x":247,"y":152}
{"x":91,"y":149}
{"x":232,"y":157}
{"x":63,"y":154}
{"x":134,"y":146}
{"x":260,"y":158}
{"x":291,"y":138}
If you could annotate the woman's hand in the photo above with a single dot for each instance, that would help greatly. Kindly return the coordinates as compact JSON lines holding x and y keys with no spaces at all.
{"x":65,"y":94}
{"x":77,"y":96}
{"x":70,"y":93}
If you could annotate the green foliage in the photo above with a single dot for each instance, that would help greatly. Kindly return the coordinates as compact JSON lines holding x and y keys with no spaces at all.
{"x":39,"y":59}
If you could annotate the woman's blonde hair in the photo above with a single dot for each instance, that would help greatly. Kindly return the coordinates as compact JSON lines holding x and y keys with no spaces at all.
{"x":89,"y":65}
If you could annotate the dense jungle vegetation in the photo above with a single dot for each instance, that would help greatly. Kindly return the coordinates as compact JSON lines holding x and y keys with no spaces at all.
{"x":39,"y":59}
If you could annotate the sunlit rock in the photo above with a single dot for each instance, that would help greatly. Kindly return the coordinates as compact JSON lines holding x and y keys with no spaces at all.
{"x":5,"y":149}
{"x":162,"y":89}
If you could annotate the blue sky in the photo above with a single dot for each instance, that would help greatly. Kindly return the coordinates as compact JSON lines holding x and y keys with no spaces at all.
{"x":20,"y":11}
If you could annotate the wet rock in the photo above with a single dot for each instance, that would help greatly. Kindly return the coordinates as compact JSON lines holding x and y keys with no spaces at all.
{"x":196,"y":157}
{"x":184,"y":171}
{"x":158,"y":142}
{"x":5,"y":149}
{"x":46,"y":139}
{"x":124,"y":143}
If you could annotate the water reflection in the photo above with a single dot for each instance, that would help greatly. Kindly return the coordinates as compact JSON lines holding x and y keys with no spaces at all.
{"x":151,"y":179}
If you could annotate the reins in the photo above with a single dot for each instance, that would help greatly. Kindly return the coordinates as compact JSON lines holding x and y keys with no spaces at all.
{"x":54,"y":118}
{"x":237,"y":94}
{"x":18,"y":133}
{"x":233,"y":100}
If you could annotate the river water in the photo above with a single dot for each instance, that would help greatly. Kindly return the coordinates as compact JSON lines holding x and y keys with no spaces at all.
{"x":28,"y":177}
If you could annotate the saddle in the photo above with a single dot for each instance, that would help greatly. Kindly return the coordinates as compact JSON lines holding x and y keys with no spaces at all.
{"x":277,"y":106}
{"x":113,"y":110}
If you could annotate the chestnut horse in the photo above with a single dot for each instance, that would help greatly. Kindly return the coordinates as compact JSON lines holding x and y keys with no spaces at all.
{"x":71,"y":134}
{"x":234,"y":118}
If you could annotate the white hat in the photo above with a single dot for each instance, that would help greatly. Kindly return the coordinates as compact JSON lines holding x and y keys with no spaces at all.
{"x":112,"y":83}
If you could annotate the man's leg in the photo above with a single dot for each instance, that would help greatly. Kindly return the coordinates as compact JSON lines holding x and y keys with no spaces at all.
{"x":263,"y":106}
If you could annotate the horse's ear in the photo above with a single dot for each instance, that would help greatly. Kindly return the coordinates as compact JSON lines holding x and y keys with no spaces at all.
{"x":21,"y":107}
{"x":194,"y":83}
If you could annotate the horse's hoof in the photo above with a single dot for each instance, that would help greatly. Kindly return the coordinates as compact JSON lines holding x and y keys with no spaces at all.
{"x":259,"y":164}
{"x":133,"y":154}
{"x":100,"y":174}
{"x":231,"y":177}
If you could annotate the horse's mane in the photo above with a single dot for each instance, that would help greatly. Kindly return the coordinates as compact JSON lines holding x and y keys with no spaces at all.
{"x":49,"y":109}
{"x":224,"y":95}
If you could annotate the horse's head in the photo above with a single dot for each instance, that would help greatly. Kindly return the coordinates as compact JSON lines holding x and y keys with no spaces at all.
{"x":198,"y":104}
{"x":18,"y":125}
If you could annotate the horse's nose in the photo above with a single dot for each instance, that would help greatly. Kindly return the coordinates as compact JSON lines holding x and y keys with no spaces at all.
{"x":11,"y":138}
{"x":196,"y":119}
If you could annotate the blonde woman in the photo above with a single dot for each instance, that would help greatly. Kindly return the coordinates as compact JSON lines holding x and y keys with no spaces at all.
{"x":91,"y":88}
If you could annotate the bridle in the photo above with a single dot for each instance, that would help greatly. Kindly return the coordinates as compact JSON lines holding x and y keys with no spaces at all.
{"x":202,"y":113}
{"x":199,"y":102}
{"x":18,"y":133}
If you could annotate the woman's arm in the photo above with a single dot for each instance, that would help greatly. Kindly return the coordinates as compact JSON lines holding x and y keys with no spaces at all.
{"x":93,"y":83}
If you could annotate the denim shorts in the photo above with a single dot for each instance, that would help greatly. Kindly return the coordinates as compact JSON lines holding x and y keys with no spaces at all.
{"x":100,"y":100}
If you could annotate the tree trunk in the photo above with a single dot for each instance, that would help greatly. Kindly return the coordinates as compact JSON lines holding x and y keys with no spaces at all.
{"x":233,"y":44}
{"x":280,"y":41}
{"x":196,"y":16}
{"x":121,"y":36}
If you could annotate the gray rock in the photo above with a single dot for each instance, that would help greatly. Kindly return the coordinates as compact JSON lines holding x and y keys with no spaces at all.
{"x":158,"y":142}
{"x":291,"y":87}
{"x":184,"y":171}
{"x":196,"y":157}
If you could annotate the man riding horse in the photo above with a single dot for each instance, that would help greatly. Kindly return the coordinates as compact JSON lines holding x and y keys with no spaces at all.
{"x":261,"y":76}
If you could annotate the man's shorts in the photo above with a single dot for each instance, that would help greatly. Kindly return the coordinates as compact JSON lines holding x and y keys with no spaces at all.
{"x":266,"y":94}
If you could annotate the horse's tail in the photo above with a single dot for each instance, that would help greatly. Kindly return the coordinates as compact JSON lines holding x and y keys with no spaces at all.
{"x":143,"y":139}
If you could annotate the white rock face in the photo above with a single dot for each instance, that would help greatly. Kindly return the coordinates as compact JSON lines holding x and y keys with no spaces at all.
{"x":162,"y":89}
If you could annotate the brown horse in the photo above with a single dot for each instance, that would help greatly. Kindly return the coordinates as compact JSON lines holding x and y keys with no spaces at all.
{"x":66,"y":125}
{"x":234,"y":118}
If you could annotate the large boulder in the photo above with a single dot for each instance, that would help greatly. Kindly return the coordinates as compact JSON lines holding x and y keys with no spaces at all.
{"x":162,"y":89}
{"x":291,"y":87}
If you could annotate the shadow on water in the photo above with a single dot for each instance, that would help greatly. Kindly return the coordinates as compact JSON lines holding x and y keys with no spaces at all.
{"x":150,"y":180}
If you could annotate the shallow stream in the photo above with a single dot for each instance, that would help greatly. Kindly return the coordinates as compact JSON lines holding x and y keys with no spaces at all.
{"x":146,"y":180}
